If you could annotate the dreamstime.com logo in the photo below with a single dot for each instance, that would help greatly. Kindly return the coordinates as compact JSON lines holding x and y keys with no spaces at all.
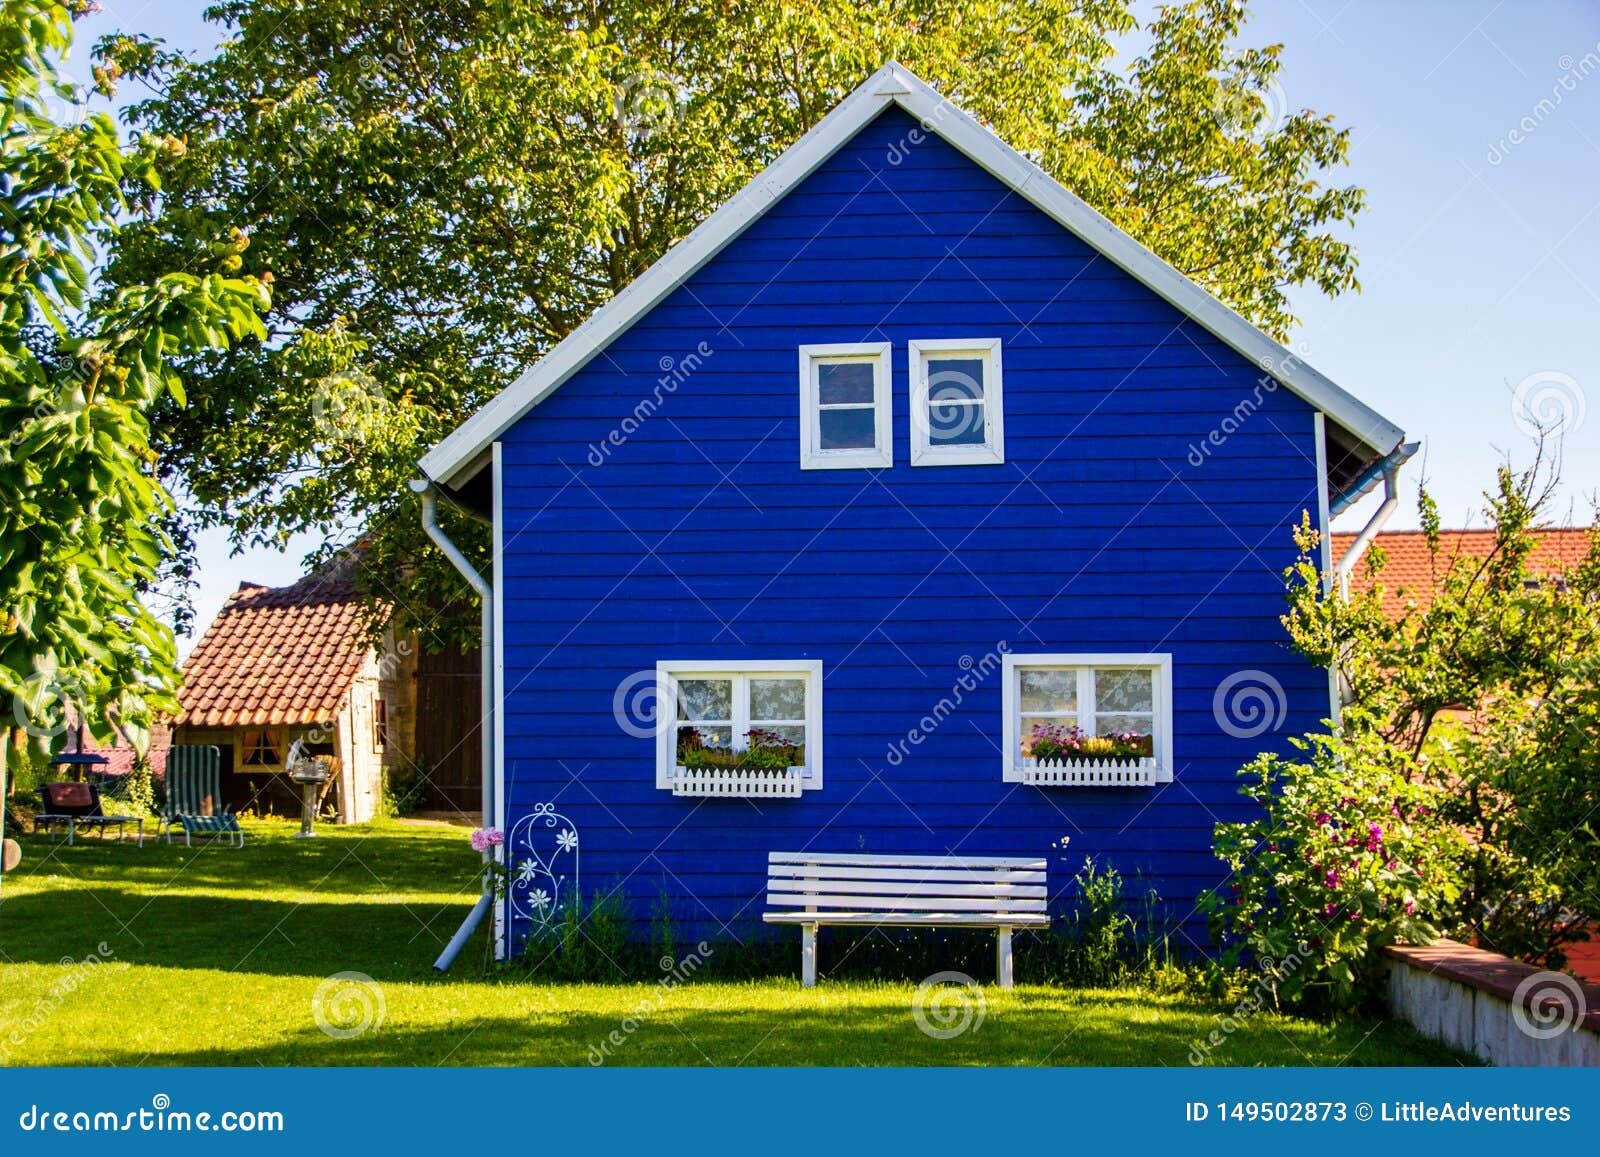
{"x":1249,"y":703}
{"x":348,"y":1004}
{"x":948,"y":1004}
{"x":1548,"y":1004}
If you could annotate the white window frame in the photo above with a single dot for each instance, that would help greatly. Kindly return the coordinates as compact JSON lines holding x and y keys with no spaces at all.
{"x":881,"y":453}
{"x":669,"y":671}
{"x":1161,"y":703}
{"x":993,"y":449}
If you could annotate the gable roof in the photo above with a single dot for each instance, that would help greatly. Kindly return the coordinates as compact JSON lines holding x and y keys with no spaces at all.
{"x":276,"y":655}
{"x":462,"y":453}
{"x":1411,"y":575}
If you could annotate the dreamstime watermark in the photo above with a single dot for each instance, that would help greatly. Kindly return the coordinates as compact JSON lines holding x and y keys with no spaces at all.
{"x":1547,"y":1004}
{"x":948,"y":1004}
{"x":344,"y":406}
{"x":348,"y":1004}
{"x":674,"y":973}
{"x":1272,"y":974}
{"x":1548,"y":401}
{"x":1219,"y":434}
{"x":1240,"y":107}
{"x":674,"y":372}
{"x":1249,"y":703}
{"x":74,"y":975}
{"x":973,"y":674}
{"x":900,"y":149}
{"x":644,"y":703}
{"x":47,"y":705}
{"x":160,"y":1117}
{"x":647,"y":102}
{"x":1573,"y":72}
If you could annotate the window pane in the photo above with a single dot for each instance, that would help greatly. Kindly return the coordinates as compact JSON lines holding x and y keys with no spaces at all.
{"x":792,"y":734}
{"x":1049,"y":691}
{"x":1031,"y":723}
{"x":777,"y":699}
{"x":1107,"y":723}
{"x":955,"y":424}
{"x":705,"y":698}
{"x":841,"y":383}
{"x":847,"y":429}
{"x":952,"y":378}
{"x":1124,"y":690}
{"x":709,"y":736}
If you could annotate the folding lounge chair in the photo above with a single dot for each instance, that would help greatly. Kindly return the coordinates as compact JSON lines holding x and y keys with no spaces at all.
{"x":194,"y":796}
{"x":77,"y":805}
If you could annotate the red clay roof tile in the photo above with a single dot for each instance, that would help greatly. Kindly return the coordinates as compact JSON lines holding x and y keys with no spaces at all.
{"x":1413,"y":573}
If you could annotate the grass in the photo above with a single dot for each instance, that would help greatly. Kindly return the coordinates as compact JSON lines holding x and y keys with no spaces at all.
{"x":214,"y":956}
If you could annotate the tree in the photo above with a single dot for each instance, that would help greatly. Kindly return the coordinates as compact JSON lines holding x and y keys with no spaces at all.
{"x":1518,"y":648}
{"x":81,"y":508}
{"x":444,"y":191}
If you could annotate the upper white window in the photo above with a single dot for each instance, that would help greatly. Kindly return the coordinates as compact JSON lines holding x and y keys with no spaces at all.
{"x":1069,"y":717}
{"x":957,"y":411}
{"x":739,"y":728}
{"x":845,"y":413}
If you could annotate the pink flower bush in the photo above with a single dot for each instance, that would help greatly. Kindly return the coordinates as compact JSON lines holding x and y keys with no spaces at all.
{"x":1333,"y":871}
{"x":485,"y":838}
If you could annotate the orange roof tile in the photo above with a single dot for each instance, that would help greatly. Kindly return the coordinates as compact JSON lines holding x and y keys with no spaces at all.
{"x":276,"y":655}
{"x":1413,"y":573}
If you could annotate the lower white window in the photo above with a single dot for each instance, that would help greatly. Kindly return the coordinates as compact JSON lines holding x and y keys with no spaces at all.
{"x":1088,"y":720}
{"x":739,"y":729}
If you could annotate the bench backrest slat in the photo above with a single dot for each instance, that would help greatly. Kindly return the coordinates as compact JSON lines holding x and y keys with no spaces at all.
{"x":891,"y":861}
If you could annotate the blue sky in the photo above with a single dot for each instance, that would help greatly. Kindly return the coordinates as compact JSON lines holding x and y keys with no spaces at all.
{"x":1476,"y":130}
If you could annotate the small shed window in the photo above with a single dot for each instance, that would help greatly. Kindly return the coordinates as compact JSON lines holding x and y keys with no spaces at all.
{"x":261,"y":748}
{"x":957,"y":409}
{"x":1083,"y":720}
{"x":736,"y":729}
{"x":380,"y":726}
{"x":845,"y":412}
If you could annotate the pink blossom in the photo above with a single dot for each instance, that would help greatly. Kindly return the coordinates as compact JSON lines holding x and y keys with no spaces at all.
{"x":485,"y":838}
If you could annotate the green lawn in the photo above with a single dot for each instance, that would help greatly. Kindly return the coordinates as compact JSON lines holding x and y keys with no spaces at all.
{"x":215,"y":957}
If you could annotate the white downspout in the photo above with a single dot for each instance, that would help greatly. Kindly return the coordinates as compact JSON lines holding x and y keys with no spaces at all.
{"x":1391,"y":499}
{"x":485,"y":591}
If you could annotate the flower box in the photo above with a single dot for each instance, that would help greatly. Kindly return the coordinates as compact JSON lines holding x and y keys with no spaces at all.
{"x":737,"y":782}
{"x":1131,"y":772}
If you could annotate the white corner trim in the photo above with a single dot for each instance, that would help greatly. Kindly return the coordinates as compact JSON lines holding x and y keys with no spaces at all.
{"x":881,"y":454}
{"x":666,"y":706}
{"x":1319,"y":431}
{"x":462,"y":452}
{"x":497,"y":585}
{"x":992,"y":450}
{"x":1012,"y":666}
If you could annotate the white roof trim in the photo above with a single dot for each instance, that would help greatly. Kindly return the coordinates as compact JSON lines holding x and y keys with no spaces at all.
{"x":461,"y":453}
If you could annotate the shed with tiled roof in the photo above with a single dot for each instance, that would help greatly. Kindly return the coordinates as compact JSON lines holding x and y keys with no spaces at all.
{"x":280,"y":664}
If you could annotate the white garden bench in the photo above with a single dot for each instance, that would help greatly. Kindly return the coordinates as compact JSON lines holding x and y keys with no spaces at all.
{"x":811,"y":889}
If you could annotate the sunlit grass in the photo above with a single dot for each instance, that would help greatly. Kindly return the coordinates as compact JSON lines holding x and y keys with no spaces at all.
{"x":214,"y":956}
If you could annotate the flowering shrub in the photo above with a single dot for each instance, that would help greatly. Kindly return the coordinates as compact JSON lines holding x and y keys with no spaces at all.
{"x":485,"y":838}
{"x":1058,"y":743}
{"x":1348,"y":856}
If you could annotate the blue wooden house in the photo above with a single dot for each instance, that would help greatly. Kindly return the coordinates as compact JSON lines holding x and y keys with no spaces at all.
{"x":906,"y":506}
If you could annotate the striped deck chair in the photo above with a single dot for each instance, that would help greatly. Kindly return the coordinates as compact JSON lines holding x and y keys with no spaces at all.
{"x":194,"y":796}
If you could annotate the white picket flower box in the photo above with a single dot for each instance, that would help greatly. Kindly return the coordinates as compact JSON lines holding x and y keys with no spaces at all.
{"x":1137,"y":772}
{"x":736,"y":783}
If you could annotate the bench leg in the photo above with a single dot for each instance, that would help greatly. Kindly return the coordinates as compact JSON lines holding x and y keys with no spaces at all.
{"x":1002,"y":952}
{"x":808,"y":955}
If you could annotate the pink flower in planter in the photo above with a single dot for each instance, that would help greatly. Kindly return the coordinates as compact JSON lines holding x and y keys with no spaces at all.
{"x":1331,"y":880}
{"x":485,"y":838}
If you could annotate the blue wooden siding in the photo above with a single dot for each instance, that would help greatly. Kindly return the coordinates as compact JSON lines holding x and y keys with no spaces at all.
{"x":700,"y":538}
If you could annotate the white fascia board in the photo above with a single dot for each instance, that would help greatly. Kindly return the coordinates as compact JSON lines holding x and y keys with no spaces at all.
{"x":463,"y":452}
